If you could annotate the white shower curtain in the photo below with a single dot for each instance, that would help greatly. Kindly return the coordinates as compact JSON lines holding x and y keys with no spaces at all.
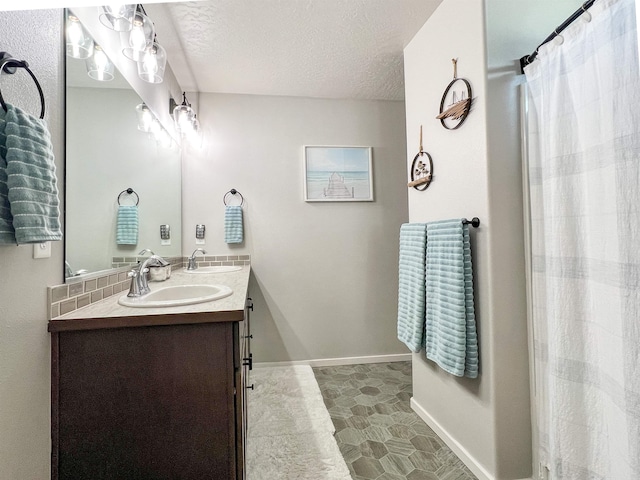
{"x":584,"y":183}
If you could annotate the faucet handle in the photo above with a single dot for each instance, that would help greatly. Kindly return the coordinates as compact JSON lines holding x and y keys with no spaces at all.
{"x":134,"y":289}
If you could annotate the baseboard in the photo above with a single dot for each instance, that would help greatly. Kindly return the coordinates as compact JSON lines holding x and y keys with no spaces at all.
{"x":329,"y":362}
{"x":462,"y":453}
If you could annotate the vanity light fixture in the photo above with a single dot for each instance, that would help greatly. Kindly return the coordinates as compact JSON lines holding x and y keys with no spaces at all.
{"x":183,"y":116}
{"x":99,"y":67}
{"x":117,"y":17}
{"x":139,"y":38}
{"x":152,"y":63}
{"x":79,"y":43}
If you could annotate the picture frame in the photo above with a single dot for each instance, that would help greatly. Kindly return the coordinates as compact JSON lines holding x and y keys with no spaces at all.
{"x":338,"y":174}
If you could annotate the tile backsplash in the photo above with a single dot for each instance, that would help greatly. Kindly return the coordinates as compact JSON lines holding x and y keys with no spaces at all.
{"x":82,"y":291}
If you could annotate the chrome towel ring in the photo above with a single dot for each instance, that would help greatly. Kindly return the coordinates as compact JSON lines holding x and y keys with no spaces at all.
{"x":233,"y":191}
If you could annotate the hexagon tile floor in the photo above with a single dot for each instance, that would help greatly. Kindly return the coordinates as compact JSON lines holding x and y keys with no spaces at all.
{"x":379,"y":435}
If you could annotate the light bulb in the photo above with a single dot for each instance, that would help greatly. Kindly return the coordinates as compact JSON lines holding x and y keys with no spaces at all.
{"x":99,"y":67}
{"x":79,"y":44}
{"x":145,"y":117}
{"x":137,"y":39}
{"x":149,"y":63}
{"x":151,"y":66}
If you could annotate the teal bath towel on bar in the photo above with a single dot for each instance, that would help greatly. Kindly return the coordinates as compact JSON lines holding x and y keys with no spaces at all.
{"x":7,"y":233}
{"x":411,"y":285}
{"x":451,"y":337}
{"x":31,"y":184}
{"x":233,"y":232}
{"x":127,"y":225}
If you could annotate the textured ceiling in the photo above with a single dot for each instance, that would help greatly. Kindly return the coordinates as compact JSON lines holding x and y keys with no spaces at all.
{"x":310,"y":48}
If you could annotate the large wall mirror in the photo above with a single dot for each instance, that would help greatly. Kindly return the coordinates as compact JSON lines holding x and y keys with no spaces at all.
{"x":106,"y":154}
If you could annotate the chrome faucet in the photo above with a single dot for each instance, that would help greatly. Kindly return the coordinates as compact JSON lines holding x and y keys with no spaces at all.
{"x":139,"y":279}
{"x":192,"y":259}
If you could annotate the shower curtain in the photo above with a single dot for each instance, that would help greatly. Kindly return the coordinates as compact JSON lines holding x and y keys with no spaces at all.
{"x":584,"y":182}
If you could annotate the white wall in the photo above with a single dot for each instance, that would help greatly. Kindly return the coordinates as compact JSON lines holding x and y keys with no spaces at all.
{"x":324,"y":278}
{"x":106,"y":154}
{"x":25,"y":444}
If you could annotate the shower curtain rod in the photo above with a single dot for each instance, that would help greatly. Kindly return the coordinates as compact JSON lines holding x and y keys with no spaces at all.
{"x":527,"y":59}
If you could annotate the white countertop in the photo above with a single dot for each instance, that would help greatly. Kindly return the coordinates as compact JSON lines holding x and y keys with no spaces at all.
{"x":238,"y":281}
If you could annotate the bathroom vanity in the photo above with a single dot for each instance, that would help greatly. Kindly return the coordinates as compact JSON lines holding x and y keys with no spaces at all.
{"x":152,"y":393}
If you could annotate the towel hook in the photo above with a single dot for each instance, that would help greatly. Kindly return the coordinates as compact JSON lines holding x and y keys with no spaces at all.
{"x":8,"y":65}
{"x":233,"y":191}
{"x":129,"y":191}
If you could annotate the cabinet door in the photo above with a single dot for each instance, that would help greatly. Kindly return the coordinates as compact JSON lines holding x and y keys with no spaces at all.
{"x":147,"y":403}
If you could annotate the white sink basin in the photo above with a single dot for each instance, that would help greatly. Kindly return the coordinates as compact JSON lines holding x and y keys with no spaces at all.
{"x":217,"y":269}
{"x":176,"y":296}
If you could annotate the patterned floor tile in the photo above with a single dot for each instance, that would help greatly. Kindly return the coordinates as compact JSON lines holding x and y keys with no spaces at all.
{"x":379,"y":435}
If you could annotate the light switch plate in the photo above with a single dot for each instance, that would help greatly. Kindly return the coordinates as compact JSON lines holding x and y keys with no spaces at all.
{"x":42,"y":250}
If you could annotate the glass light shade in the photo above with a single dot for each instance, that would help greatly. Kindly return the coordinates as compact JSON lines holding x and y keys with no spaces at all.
{"x":145,"y":118}
{"x":183,"y":116}
{"x":194,"y":130}
{"x":117,"y":17}
{"x":139,"y":38}
{"x":152,"y":64}
{"x":155,"y":129}
{"x":99,"y":67}
{"x":79,"y":42}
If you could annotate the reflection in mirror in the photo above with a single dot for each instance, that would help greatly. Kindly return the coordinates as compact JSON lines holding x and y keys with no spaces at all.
{"x":106,"y":153}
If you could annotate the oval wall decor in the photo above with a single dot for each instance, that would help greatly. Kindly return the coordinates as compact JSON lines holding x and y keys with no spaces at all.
{"x":421,"y":169}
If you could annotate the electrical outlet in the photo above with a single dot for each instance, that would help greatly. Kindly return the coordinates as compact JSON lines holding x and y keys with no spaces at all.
{"x":42,"y":250}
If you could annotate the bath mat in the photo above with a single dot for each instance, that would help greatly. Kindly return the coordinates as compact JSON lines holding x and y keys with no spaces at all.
{"x":286,"y":400}
{"x":290,"y":432}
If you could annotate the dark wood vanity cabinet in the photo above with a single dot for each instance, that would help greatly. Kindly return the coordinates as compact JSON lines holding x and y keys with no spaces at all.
{"x":161,"y":397}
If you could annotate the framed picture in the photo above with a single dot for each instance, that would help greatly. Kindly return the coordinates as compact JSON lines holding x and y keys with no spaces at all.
{"x":337,"y":174}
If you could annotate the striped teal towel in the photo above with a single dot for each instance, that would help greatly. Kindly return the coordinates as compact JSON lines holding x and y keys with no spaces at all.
{"x":7,"y":232}
{"x":411,"y":285}
{"x":233,"y":232}
{"x":31,"y":178}
{"x":127,"y":225}
{"x":451,"y":338}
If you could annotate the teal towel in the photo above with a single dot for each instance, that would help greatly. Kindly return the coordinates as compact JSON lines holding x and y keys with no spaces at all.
{"x":7,"y":232}
{"x":451,"y":337}
{"x":233,"y":232}
{"x":411,"y":285}
{"x":31,"y":178}
{"x":127,"y":225}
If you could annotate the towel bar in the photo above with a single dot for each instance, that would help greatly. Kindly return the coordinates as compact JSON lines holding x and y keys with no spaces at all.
{"x":474,"y":222}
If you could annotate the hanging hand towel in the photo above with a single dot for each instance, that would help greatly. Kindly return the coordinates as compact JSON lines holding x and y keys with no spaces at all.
{"x":127,"y":225}
{"x":451,"y":338}
{"x":411,"y":285}
{"x":7,"y":233}
{"x":233,"y":232}
{"x":31,"y":178}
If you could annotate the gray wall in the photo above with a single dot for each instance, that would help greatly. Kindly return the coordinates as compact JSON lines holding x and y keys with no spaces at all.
{"x":25,"y":443}
{"x":324,"y":274}
{"x":487,"y":421}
